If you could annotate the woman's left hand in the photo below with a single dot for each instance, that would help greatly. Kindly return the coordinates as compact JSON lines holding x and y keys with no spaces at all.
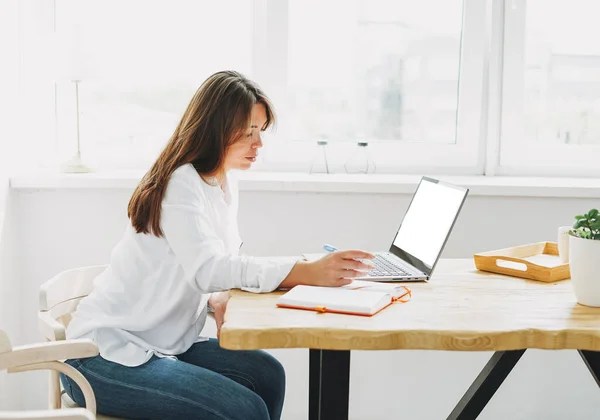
{"x":218,"y":301}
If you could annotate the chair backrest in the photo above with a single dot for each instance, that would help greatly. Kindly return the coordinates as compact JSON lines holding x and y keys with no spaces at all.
{"x":5,"y":345}
{"x":59,"y":297}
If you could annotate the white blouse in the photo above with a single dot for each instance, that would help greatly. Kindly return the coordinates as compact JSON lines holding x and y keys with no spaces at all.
{"x":151,"y":300}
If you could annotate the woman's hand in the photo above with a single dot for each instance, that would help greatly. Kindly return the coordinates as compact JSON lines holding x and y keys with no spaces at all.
{"x":334,"y":269}
{"x":218,"y":301}
{"x":340,"y":267}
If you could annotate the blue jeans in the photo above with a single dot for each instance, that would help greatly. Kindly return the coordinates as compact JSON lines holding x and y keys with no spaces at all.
{"x":207,"y":382}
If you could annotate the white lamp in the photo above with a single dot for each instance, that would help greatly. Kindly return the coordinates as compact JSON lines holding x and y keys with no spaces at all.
{"x":70,"y":66}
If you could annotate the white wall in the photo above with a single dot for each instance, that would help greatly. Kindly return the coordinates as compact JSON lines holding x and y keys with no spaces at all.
{"x":59,"y":229}
{"x":10,"y":291}
{"x":8,"y":104}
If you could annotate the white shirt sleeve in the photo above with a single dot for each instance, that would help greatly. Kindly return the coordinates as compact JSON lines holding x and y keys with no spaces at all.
{"x":190,"y":232}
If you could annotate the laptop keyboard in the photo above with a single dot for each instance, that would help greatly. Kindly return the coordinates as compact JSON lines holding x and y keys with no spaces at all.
{"x":384,"y":267}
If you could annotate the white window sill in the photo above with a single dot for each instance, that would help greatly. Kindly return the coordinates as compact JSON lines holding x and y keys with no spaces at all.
{"x":334,"y":183}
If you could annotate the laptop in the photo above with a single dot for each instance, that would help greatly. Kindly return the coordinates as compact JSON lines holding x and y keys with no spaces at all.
{"x":422,"y":235}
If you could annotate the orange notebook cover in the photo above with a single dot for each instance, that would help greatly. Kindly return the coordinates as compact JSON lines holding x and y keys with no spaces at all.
{"x":358,"y":298}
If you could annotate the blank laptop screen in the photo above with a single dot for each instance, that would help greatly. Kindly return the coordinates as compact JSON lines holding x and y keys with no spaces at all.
{"x":428,"y":220}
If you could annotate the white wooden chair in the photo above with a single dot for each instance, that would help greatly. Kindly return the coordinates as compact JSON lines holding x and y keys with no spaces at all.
{"x":59,"y":298}
{"x":43,"y":356}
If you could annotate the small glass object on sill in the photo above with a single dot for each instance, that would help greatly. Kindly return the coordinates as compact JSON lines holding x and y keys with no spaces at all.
{"x":360,"y":161}
{"x":319,"y":164}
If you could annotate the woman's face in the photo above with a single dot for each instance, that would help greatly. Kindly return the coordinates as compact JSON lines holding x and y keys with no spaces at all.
{"x":242,"y":154}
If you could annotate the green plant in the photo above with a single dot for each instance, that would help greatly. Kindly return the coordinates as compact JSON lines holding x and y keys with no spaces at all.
{"x":587,"y":226}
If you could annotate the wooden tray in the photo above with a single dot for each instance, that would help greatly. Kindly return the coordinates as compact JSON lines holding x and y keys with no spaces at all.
{"x":538,"y":261}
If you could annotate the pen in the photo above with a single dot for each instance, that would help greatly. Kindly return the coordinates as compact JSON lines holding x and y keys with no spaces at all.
{"x":329,"y":248}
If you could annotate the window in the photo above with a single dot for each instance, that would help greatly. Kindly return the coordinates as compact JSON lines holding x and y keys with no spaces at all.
{"x":551,"y":95}
{"x":395,"y":74}
{"x":373,"y":70}
{"x":140,"y":63}
{"x":406,"y":80}
{"x":412,"y":79}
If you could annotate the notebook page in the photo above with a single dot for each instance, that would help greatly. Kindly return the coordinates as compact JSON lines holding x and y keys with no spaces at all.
{"x":335,"y":298}
{"x":371,"y":286}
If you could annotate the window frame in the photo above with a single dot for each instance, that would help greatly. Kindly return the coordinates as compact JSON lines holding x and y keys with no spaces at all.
{"x":270,"y":59}
{"x":516,"y":155}
{"x":487,"y":118}
{"x":10,"y":143}
{"x":36,"y":106}
{"x":466,"y":156}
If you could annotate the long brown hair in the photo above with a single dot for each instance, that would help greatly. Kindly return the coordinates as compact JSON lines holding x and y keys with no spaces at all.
{"x":215,"y":118}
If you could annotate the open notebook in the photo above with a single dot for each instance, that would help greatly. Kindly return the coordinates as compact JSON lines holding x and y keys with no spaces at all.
{"x":357,"y":298}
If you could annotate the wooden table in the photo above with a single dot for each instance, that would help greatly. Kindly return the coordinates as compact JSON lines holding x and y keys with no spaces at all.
{"x":460,"y":309}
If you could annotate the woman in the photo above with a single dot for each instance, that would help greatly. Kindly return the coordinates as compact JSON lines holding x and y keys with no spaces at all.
{"x":180,"y":253}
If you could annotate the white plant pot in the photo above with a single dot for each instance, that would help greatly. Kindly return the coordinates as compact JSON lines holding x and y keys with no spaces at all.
{"x":584,"y":262}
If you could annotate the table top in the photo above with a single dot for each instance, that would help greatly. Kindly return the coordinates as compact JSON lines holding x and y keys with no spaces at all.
{"x":460,"y":308}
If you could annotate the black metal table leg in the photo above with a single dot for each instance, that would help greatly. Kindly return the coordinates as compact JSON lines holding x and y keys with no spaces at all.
{"x":592,"y":361}
{"x":329,"y":384}
{"x":487,"y":383}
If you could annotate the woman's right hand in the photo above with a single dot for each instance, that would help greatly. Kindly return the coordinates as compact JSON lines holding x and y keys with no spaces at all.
{"x":340,"y":267}
{"x":333,"y":270}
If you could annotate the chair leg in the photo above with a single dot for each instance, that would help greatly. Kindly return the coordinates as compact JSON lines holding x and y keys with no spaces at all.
{"x":54,"y":393}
